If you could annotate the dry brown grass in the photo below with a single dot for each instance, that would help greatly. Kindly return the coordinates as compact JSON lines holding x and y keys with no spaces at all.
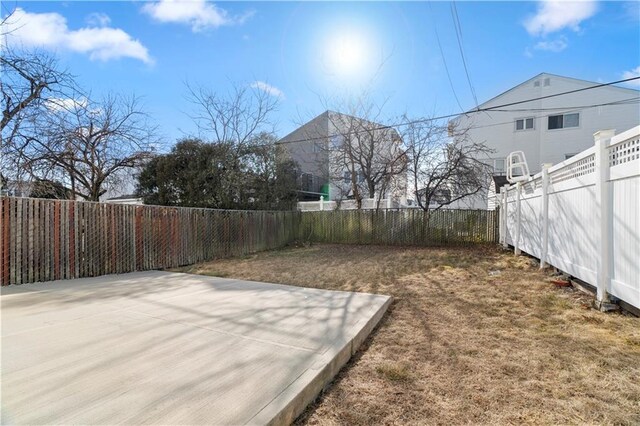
{"x":460,"y":345}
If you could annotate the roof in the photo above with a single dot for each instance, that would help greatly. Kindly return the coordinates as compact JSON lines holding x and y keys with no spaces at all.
{"x":545,"y":74}
{"x":499,"y":182}
{"x":326,"y":115}
{"x":282,"y":139}
{"x":124,"y":197}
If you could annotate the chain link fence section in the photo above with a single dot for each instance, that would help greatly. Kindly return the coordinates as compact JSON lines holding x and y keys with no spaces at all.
{"x":45,"y":240}
{"x":405,"y":227}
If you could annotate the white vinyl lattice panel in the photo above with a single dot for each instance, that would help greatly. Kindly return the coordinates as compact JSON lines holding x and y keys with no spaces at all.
{"x":581,"y":167}
{"x":624,"y":152}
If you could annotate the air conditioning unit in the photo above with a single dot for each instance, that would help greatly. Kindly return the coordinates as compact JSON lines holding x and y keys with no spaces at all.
{"x":517,"y":168}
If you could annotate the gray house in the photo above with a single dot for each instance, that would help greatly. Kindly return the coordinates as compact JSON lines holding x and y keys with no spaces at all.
{"x":320,"y":147}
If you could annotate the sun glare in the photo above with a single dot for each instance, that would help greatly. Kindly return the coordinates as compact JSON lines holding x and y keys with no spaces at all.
{"x":346,"y":54}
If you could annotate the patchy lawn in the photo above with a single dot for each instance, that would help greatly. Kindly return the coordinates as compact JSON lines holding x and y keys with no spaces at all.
{"x":463,"y":343}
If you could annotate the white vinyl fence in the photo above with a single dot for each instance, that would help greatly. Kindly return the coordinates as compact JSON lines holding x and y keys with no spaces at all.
{"x":583,"y":215}
{"x":367,"y":204}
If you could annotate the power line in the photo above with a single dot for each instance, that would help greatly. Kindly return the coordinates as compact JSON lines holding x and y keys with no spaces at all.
{"x":627,"y":101}
{"x":458,"y":28}
{"x":444,"y":61}
{"x":574,"y":108}
{"x":474,"y":111}
{"x":555,"y":95}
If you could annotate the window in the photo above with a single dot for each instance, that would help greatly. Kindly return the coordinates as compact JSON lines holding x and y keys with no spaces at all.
{"x":528,"y":123}
{"x":519,"y":124}
{"x":563,"y":121}
{"x":524,"y":124}
{"x":336,"y":141}
{"x":498,"y":166}
{"x":347,"y":177}
{"x":571,"y":120}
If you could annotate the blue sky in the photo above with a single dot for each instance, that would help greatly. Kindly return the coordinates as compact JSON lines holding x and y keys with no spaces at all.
{"x":306,"y":52}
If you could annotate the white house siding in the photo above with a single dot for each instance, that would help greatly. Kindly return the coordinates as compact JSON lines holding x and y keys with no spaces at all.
{"x":541,"y":145}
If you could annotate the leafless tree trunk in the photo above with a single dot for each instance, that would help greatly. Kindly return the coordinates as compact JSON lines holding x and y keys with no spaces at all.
{"x":87,"y":146}
{"x":365,"y":153}
{"x":445,"y":165}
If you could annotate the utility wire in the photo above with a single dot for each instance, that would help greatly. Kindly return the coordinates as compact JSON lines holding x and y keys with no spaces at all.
{"x":575,"y":108}
{"x":474,"y":111}
{"x":444,"y":61}
{"x":628,"y":101}
{"x":458,"y":28}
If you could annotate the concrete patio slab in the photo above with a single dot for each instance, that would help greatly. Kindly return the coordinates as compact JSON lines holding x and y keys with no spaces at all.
{"x":167,"y":348}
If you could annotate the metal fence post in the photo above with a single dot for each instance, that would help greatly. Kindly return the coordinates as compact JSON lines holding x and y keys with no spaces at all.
{"x":604,"y":207}
{"x":516,"y":242}
{"x":545,"y":216}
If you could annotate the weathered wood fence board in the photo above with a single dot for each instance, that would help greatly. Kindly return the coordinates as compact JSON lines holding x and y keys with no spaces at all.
{"x":44,"y":240}
{"x":401,"y":227}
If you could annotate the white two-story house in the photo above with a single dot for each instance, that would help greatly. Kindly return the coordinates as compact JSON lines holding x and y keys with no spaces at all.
{"x":551,"y":129}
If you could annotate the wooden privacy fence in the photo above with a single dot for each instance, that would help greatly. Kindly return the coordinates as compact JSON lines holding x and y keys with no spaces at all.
{"x":45,"y":240}
{"x":401,"y":227}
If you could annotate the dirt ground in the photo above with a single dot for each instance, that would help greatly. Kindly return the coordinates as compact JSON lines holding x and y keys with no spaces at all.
{"x":473,"y":336}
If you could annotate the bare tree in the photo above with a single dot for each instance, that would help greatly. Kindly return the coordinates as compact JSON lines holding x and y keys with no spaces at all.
{"x":445,"y":165}
{"x":239,"y":123}
{"x":32,"y":82}
{"x":236,"y":118}
{"x":366,"y":155}
{"x":89,"y":145}
{"x":29,"y":80}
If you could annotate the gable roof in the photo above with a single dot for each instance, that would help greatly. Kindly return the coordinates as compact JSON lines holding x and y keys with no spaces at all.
{"x":543,"y":75}
{"x":326,"y":115}
{"x":297,"y":129}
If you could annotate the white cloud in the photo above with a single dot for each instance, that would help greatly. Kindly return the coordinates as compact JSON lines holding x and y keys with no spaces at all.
{"x":557,"y":45}
{"x":557,"y":15}
{"x":65,"y":104}
{"x":97,"y":19}
{"x":50,"y":31}
{"x":267,"y":88}
{"x":199,"y":14}
{"x":632,"y":73}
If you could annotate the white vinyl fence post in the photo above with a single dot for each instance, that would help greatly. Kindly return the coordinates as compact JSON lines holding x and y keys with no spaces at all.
{"x":505,"y":244}
{"x":603,"y":205}
{"x":516,"y":243}
{"x":501,"y":217}
{"x":321,"y":202}
{"x":545,"y":216}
